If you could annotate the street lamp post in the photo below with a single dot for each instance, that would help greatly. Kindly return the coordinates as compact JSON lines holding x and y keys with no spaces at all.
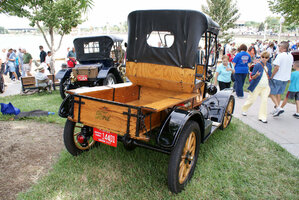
{"x":281,"y":21}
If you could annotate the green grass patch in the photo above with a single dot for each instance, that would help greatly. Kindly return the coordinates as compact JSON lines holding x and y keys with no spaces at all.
{"x":237,"y":163}
{"x":38,"y":101}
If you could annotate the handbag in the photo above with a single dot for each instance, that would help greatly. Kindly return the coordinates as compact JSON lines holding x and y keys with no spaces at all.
{"x":232,"y":75}
{"x":271,"y":82}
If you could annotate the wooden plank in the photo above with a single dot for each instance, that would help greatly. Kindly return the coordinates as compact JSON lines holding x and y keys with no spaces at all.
{"x":105,"y":116}
{"x":29,"y":80}
{"x":161,"y":76}
{"x":126,"y":94}
{"x":157,"y":100}
{"x":83,"y":90}
{"x":200,"y":69}
{"x":163,"y":104}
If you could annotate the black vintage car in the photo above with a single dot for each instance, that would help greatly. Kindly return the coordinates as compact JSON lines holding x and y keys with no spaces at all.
{"x":169,"y":106}
{"x":100,"y":59}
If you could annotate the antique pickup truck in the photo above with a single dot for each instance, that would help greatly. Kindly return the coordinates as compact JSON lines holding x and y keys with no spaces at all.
{"x":169,"y":106}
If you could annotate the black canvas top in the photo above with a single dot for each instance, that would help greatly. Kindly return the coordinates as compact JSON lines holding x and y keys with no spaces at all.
{"x":105,"y":43}
{"x":187,"y":26}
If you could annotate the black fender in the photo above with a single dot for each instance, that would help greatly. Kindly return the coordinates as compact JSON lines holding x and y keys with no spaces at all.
{"x":217,"y":104}
{"x":103,"y":73}
{"x":66,"y":107}
{"x":174,"y":125}
{"x":63,"y":73}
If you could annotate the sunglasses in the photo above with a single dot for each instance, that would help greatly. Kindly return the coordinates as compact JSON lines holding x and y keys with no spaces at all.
{"x":265,"y":57}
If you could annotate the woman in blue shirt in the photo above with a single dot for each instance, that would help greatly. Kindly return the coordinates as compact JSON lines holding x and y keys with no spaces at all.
{"x":259,"y":86}
{"x":240,"y":62}
{"x":223,"y":73}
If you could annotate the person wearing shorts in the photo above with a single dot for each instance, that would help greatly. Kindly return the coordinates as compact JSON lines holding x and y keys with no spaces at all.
{"x":11,"y":63}
{"x":27,"y":62}
{"x":280,"y":76}
{"x":293,"y":92}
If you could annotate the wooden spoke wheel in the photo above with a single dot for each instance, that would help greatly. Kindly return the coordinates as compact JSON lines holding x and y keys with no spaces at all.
{"x":187,"y":158}
{"x":183,"y":157}
{"x":228,"y":113}
{"x":75,"y":140}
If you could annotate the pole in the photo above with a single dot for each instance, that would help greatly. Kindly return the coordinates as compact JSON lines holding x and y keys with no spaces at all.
{"x":280,"y":28}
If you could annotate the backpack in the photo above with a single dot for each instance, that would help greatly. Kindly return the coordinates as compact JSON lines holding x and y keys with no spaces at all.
{"x":71,"y":63}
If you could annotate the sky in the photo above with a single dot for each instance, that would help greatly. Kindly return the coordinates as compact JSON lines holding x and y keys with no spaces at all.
{"x":116,"y":11}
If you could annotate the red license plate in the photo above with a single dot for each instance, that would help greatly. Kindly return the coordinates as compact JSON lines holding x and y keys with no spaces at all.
{"x":105,"y":137}
{"x":82,"y":77}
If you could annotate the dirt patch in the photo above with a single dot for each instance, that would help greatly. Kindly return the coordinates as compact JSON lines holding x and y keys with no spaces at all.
{"x":27,"y":151}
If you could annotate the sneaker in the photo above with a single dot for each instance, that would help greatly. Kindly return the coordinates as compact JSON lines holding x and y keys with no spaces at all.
{"x":244,"y":113}
{"x":264,"y":121}
{"x":273,"y":111}
{"x":241,"y":97}
{"x":278,"y":112}
{"x":296,"y":115}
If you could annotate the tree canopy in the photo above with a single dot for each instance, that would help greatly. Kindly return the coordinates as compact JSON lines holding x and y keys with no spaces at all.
{"x":49,"y":15}
{"x":289,"y":9}
{"x":225,"y":13}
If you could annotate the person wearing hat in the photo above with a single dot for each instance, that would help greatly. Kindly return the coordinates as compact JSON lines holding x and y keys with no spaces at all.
{"x":41,"y":79}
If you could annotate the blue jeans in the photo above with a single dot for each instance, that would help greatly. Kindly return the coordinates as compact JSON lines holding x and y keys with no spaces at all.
{"x":239,"y":83}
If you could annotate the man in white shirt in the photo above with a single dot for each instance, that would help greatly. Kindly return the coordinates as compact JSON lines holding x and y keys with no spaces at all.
{"x":228,"y":49}
{"x":280,"y":75}
{"x":50,"y":63}
{"x":41,"y":79}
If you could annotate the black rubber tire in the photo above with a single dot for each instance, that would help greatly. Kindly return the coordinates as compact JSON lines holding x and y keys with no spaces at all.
{"x":61,"y":88}
{"x":2,"y":89}
{"x":175,"y":157}
{"x":231,"y":98}
{"x":68,"y":137}
{"x":109,"y":76}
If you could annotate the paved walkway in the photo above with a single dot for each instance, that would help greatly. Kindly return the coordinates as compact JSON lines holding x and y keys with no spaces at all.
{"x":12,"y":88}
{"x":283,"y":129}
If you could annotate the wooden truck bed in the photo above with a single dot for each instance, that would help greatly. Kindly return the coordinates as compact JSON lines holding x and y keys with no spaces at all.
{"x":125,"y":108}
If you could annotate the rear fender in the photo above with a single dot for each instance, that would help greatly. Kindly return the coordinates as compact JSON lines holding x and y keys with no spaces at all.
{"x":174,"y":125}
{"x":63,"y":73}
{"x":103,"y":73}
{"x":66,"y":108}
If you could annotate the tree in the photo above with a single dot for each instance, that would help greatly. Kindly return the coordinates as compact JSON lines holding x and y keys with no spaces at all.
{"x":287,"y":8}
{"x":225,"y":13}
{"x":261,"y":27}
{"x":273,"y":23}
{"x":252,"y":24}
{"x":49,"y":16}
{"x":3,"y":30}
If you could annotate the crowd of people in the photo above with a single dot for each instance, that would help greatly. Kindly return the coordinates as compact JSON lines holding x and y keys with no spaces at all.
{"x":270,"y":57}
{"x":17,"y":64}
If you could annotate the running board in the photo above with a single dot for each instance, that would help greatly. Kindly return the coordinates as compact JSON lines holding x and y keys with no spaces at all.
{"x":215,"y":126}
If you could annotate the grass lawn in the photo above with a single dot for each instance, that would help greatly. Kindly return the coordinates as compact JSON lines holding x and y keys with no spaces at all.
{"x":237,"y":163}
